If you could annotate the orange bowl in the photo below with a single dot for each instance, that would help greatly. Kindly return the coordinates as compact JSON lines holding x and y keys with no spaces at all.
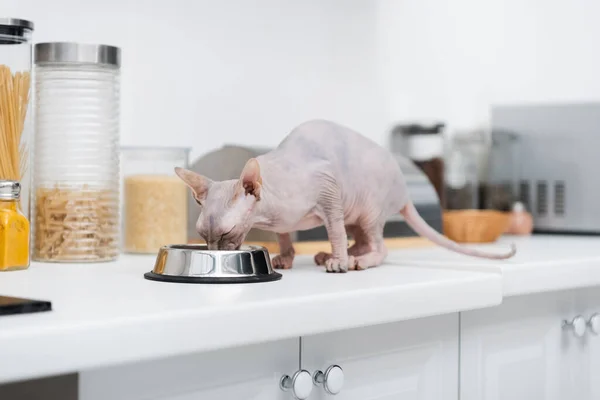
{"x":475,"y":226}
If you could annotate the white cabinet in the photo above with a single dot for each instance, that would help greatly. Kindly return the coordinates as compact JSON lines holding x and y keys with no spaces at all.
{"x":587,"y":301}
{"x":520,"y":351}
{"x":249,"y":373}
{"x":415,"y":359}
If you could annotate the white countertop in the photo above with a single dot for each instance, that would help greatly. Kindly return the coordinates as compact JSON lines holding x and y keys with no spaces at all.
{"x":106,"y":314}
{"x":543,"y":263}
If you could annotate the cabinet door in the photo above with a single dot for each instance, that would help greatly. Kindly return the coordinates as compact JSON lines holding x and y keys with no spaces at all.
{"x":415,"y":359}
{"x":249,"y":373}
{"x":587,"y":303}
{"x":519,"y":350}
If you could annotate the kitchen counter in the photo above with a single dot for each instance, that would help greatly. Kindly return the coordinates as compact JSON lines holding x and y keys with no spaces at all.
{"x":543,"y":263}
{"x":108,"y":314}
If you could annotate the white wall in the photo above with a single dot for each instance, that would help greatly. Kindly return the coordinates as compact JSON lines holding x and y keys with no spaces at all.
{"x":203,"y":73}
{"x":452,"y":59}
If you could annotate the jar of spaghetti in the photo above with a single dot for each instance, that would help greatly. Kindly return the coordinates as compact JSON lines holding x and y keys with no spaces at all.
{"x":15,"y":121}
{"x":76,"y":164}
{"x":155,"y":200}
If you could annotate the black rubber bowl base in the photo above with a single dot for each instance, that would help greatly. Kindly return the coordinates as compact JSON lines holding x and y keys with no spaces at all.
{"x":275,"y":276}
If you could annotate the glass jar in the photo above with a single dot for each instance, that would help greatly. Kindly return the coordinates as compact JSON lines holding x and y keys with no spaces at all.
{"x":154,"y":199}
{"x":14,"y":229}
{"x":464,"y":153}
{"x":425,"y":147}
{"x":15,"y":78}
{"x":500,"y":190}
{"x":76,"y":164}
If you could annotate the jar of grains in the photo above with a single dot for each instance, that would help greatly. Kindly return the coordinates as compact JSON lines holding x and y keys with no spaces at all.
{"x":154,"y":198}
{"x":75,"y":200}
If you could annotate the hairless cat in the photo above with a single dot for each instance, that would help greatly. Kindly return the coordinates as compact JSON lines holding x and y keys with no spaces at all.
{"x":322,"y":173}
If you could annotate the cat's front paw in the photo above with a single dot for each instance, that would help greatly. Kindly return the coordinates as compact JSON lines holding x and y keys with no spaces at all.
{"x":322,"y":257}
{"x":339,"y":265}
{"x":282,"y":262}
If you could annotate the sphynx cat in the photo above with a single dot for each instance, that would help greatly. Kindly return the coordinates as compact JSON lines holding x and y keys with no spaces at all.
{"x":322,"y":173}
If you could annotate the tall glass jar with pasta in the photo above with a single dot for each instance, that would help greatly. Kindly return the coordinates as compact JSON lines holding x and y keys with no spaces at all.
{"x":76,"y":165}
{"x":15,"y":125}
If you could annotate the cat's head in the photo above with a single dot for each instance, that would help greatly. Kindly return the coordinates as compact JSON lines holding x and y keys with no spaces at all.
{"x":226,"y":207}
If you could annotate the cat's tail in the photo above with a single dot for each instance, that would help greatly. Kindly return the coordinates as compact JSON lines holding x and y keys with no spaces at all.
{"x":418,"y":224}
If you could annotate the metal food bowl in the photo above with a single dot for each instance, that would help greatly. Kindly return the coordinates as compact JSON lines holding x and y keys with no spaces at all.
{"x":188,"y":263}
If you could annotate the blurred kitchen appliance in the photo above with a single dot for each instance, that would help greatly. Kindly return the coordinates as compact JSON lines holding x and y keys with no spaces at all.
{"x":557,"y":179}
{"x":228,"y":161}
{"x":423,"y":144}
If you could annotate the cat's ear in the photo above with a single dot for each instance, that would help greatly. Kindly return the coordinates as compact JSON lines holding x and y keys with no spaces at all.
{"x":250,"y":179}
{"x":198,"y":183}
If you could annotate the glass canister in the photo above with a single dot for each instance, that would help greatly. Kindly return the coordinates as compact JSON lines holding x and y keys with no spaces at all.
{"x":500,"y":190}
{"x":154,"y":199}
{"x":75,"y":202}
{"x":15,"y":94}
{"x":463,"y":159}
{"x":425,"y":147}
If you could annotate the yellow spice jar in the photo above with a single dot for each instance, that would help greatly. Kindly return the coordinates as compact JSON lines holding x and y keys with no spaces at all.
{"x":14,"y":228}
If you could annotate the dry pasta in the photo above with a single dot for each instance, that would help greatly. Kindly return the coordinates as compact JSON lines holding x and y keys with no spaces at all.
{"x":75,"y":225}
{"x":14,"y":98}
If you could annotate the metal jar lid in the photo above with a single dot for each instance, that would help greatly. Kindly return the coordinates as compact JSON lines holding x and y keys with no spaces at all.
{"x":16,"y":23}
{"x":9,"y":190}
{"x":77,"y":53}
{"x":14,"y":31}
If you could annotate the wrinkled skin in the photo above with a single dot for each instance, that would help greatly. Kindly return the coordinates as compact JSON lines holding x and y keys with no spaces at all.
{"x":322,"y":173}
{"x":226,"y":210}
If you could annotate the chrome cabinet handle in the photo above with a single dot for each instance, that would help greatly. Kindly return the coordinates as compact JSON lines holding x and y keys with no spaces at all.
{"x":300,"y":384}
{"x":577,"y":324}
{"x":332,"y":380}
{"x":594,"y":323}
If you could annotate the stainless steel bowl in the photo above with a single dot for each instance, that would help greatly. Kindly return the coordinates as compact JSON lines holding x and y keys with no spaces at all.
{"x":185,"y":263}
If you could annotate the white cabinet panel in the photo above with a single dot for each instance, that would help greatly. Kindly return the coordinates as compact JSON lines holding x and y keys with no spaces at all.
{"x":587,"y":302}
{"x":415,"y":359}
{"x":519,"y":350}
{"x":249,"y":373}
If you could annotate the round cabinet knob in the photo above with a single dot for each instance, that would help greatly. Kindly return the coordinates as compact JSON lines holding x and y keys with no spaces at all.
{"x":300,"y":384}
{"x":332,"y":380}
{"x":578,"y":324}
{"x":594,"y":323}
